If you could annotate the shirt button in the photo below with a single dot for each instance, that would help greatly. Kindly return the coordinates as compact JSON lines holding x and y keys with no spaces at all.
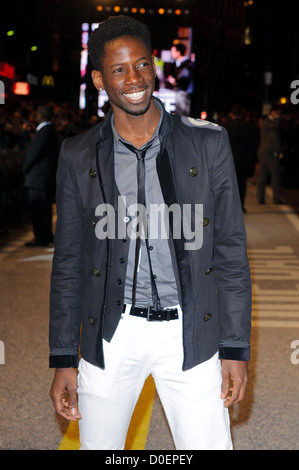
{"x":151,"y":248}
{"x":207,"y":317}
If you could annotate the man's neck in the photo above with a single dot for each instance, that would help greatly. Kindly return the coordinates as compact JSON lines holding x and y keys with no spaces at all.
{"x":137,"y":129}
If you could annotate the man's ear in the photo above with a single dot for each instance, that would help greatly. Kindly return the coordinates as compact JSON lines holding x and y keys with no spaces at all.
{"x":97,"y":79}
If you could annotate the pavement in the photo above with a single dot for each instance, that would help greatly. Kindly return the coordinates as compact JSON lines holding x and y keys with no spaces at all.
{"x":268,"y":418}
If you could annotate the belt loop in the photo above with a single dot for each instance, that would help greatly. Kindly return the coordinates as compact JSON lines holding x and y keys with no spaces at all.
{"x":148,"y":313}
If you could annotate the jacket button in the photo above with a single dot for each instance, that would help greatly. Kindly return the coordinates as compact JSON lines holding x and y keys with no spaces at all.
{"x":92,"y":223}
{"x":119,"y":282}
{"x":91,"y":320}
{"x":193,"y":171}
{"x":92,"y":173}
{"x":208,"y":271}
{"x":118,"y":303}
{"x":207,"y":317}
{"x":95,"y":272}
{"x":122,"y":260}
{"x":205,"y":222}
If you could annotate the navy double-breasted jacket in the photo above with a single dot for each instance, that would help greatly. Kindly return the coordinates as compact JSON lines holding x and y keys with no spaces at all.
{"x":195,"y":166}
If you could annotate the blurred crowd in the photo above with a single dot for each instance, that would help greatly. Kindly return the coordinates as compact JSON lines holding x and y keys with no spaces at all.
{"x":18,"y":125}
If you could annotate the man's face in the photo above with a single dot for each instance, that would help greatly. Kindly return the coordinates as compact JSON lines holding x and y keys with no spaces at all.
{"x":38,"y":116}
{"x":128,"y":75}
{"x":174,"y":53}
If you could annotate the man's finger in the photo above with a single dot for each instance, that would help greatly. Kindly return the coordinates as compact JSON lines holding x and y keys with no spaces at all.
{"x":73,"y":405}
{"x":224,"y":386}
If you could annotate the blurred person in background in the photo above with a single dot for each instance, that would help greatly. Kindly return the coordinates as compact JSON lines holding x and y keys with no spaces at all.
{"x":243,"y":138}
{"x":40,"y":166}
{"x":269,"y":153}
{"x":182,"y":79}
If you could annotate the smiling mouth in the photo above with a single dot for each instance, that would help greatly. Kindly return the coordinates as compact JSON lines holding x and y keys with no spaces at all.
{"x":135,"y":96}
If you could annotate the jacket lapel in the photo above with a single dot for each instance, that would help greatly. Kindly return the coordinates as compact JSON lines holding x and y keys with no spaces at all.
{"x":105,"y":162}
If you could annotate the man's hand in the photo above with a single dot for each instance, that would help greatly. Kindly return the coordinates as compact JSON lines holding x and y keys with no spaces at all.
{"x":64,"y":394}
{"x":237,"y":372}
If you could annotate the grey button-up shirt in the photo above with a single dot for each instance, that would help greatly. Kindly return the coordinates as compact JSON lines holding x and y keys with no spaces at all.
{"x":126,"y":180}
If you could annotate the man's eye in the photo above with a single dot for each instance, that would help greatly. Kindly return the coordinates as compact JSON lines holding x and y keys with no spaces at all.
{"x":143,"y":64}
{"x":119,"y":70}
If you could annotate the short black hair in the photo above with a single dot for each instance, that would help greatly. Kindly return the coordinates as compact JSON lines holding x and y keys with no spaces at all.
{"x":180,"y":47}
{"x":46,"y":111}
{"x":115,"y":27}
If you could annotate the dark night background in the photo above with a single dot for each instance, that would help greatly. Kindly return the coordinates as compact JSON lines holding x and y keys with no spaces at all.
{"x":227,"y":69}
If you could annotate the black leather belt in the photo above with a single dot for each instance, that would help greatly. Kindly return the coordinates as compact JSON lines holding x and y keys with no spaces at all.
{"x":150,"y":314}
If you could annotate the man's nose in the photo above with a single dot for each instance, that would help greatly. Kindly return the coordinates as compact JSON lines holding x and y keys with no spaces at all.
{"x":133,"y":76}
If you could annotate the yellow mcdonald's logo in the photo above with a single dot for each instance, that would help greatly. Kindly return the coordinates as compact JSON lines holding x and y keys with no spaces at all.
{"x":48,"y":80}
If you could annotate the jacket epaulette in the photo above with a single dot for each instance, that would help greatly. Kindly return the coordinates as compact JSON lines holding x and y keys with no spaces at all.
{"x":195,"y":122}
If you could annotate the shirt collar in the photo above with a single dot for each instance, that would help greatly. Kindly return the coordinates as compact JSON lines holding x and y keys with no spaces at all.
{"x":43,"y":124}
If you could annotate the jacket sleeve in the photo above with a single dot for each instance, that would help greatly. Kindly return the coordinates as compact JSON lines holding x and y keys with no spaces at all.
{"x":66,"y":277}
{"x":231,"y":265}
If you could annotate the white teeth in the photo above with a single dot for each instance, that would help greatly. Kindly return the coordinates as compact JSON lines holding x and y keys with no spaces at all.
{"x":135,"y":96}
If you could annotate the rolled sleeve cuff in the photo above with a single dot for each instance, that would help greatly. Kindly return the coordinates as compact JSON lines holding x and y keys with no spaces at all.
{"x":63,"y":361}
{"x":234,"y":354}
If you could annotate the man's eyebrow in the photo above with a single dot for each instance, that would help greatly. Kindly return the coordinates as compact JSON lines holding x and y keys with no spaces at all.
{"x":123,"y":63}
{"x":116,"y":65}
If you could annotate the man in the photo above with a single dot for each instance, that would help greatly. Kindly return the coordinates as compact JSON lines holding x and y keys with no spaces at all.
{"x":187,"y":305}
{"x":268,"y":155}
{"x":40,"y":166}
{"x":243,"y":140}
{"x":182,"y":79}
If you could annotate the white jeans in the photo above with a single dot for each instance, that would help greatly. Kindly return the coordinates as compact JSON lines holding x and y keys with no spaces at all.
{"x":191,"y":399}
